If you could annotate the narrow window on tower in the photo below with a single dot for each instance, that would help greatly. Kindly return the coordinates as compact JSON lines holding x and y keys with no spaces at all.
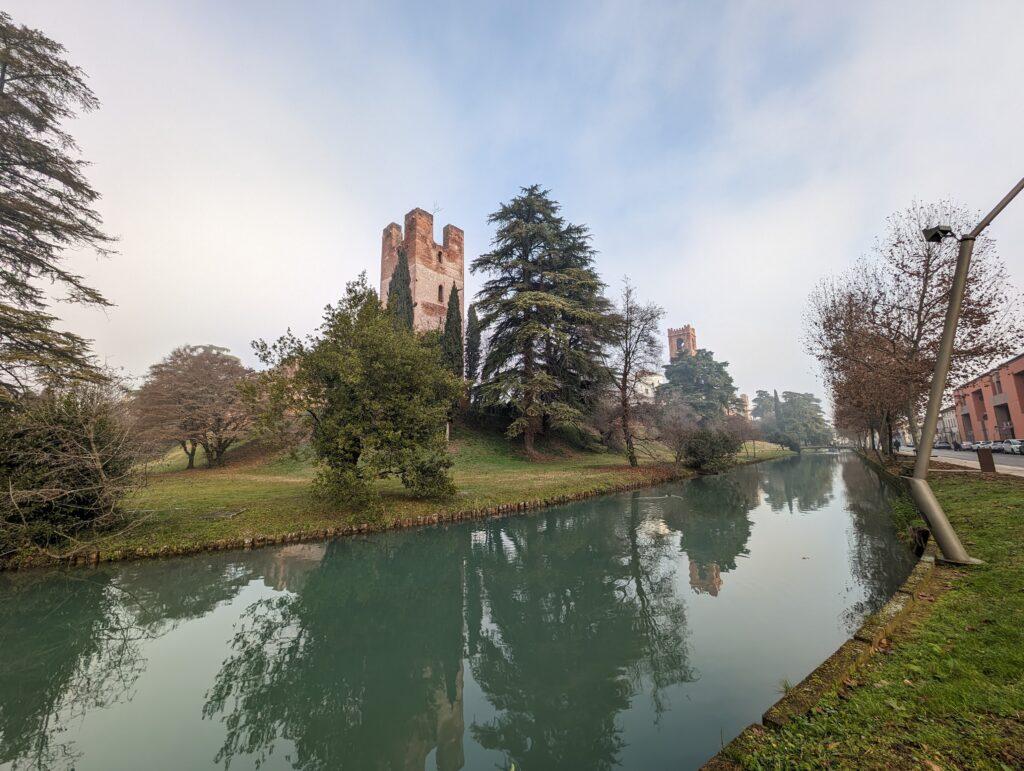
{"x":440,"y":256}
{"x":440,"y":293}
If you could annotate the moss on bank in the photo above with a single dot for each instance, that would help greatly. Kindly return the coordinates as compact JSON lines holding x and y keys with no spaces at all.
{"x":948,"y":691}
{"x":262,"y":497}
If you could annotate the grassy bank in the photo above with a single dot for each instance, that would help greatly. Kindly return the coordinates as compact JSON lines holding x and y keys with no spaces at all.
{"x":266,"y":496}
{"x":948,"y":692}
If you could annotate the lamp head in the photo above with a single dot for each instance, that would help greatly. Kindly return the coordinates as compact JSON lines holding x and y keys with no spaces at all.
{"x":936,"y":234}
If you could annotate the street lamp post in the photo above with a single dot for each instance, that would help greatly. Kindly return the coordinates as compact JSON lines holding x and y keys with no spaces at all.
{"x":946,"y":537}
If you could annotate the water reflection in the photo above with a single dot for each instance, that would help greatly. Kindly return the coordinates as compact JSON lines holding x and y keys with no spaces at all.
{"x":801,"y":484}
{"x":560,"y":640}
{"x":710,"y":515}
{"x":68,"y":646}
{"x":578,"y":611}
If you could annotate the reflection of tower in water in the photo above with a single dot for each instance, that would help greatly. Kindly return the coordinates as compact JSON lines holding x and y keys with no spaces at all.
{"x":705,"y":579}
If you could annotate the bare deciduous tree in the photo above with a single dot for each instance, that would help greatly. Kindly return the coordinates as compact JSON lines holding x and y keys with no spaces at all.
{"x":875,"y":331}
{"x":676,"y":421}
{"x":192,"y":398}
{"x":636,"y":354}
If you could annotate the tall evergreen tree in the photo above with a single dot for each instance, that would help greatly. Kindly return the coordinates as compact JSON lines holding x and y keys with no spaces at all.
{"x":400,"y":303}
{"x":46,"y":206}
{"x":546,"y":313}
{"x":702,"y":383}
{"x":451,"y":340}
{"x":472,"y":344}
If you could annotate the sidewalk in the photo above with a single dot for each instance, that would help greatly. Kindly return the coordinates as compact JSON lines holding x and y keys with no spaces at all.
{"x":1013,"y":471}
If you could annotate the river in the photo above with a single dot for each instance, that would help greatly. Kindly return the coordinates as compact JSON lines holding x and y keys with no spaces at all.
{"x":640,"y":630}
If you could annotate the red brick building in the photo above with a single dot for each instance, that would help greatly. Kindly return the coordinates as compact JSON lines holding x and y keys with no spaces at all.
{"x":991,"y":407}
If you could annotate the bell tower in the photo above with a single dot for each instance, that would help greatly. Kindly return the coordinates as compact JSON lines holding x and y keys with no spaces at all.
{"x":682,"y":342}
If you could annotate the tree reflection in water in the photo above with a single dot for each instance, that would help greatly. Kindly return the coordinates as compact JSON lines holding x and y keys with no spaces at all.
{"x":71,"y":642}
{"x":68,"y":647}
{"x":367,"y":651}
{"x":710,"y":515}
{"x":579,"y":613}
{"x":361,"y":668}
{"x":564,"y":619}
{"x":801,"y":483}
{"x":879,"y":562}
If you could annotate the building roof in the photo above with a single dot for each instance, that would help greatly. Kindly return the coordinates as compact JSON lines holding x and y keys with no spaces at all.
{"x":988,"y":373}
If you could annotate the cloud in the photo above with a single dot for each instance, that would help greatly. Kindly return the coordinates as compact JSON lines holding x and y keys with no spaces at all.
{"x":726,"y":156}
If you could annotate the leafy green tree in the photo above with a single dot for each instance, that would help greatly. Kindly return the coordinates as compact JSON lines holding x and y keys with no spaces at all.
{"x":451,"y":339}
{"x":46,"y":206}
{"x":701,"y":383}
{"x":803,"y":418}
{"x":796,"y":420}
{"x":377,"y":398}
{"x":763,"y":405}
{"x":400,"y":303}
{"x":472,"y":344}
{"x":546,"y":314}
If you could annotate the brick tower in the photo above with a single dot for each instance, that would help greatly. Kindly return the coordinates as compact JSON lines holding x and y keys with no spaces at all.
{"x":433,"y":269}
{"x":682,"y":341}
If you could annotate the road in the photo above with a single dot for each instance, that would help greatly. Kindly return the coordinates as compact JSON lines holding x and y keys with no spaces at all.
{"x":1000,"y":458}
{"x":1005,"y":464}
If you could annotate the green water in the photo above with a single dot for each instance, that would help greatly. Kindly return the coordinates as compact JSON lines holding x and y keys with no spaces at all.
{"x":639,"y":630}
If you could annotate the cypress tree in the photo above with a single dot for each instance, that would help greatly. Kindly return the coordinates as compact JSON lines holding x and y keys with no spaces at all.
{"x":472,"y":344}
{"x":400,"y":292}
{"x":451,"y":341}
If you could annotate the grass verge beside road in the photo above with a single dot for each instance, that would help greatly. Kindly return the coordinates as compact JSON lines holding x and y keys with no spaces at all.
{"x":262,"y":496}
{"x":948,"y":690}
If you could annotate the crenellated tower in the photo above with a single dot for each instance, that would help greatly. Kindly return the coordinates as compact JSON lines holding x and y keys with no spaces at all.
{"x":433,"y":268}
{"x":682,"y":341}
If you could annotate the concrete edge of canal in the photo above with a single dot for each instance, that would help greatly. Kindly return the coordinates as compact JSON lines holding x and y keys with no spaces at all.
{"x":831,"y":673}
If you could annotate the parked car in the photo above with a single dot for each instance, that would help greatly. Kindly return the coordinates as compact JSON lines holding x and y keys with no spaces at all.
{"x":984,"y":444}
{"x":941,"y":445}
{"x":967,"y":445}
{"x":1013,"y":446}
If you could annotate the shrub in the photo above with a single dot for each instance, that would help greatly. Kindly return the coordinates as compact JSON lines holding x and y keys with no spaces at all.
{"x":706,"y":448}
{"x":67,"y":460}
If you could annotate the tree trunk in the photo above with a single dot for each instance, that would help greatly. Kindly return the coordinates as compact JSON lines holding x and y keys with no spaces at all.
{"x":627,"y":429}
{"x":530,"y":429}
{"x":915,"y":433}
{"x":189,"y":453}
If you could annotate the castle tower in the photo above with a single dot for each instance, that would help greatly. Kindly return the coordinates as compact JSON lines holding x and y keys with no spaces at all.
{"x":433,"y":268}
{"x":682,"y":341}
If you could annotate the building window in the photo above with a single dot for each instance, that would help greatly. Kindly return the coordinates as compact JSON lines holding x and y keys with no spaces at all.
{"x":440,"y":255}
{"x":440,"y":293}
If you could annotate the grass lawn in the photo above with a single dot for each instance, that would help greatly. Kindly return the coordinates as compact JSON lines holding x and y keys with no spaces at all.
{"x":949,"y":690}
{"x":259,"y":496}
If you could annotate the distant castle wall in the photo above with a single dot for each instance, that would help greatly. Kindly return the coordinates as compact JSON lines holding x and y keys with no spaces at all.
{"x":433,"y":268}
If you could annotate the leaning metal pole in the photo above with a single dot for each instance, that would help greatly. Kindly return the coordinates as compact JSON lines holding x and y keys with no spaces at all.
{"x":945,"y":536}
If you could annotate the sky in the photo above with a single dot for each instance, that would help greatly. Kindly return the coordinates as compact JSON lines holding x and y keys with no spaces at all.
{"x":726,"y":156}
